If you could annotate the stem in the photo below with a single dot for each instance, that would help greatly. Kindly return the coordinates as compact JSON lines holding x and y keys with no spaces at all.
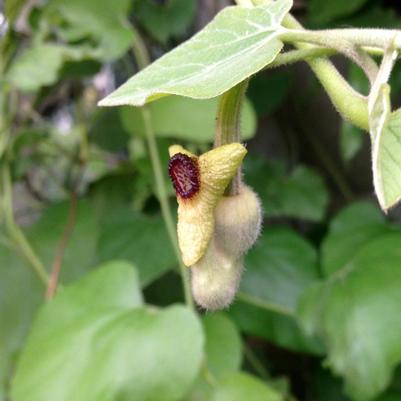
{"x":14,"y":232}
{"x":58,"y":259}
{"x":348,"y":48}
{"x":143,"y":59}
{"x":141,"y":53}
{"x":228,"y":125}
{"x":310,"y":53}
{"x":294,"y":56}
{"x":380,"y":38}
{"x":348,"y":102}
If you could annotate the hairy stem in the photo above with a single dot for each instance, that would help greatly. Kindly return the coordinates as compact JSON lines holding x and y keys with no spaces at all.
{"x":340,"y":44}
{"x":380,"y":38}
{"x":228,"y":125}
{"x":352,"y":106}
{"x":143,"y":59}
{"x":314,"y":52}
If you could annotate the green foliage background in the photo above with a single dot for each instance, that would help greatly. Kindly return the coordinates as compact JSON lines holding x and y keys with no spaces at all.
{"x":317,"y":316}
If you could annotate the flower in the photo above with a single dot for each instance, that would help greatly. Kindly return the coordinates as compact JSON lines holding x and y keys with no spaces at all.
{"x":199,"y":183}
{"x":216,"y":276}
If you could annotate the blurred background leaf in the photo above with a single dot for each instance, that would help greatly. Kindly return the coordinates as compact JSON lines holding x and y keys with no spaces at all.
{"x":300,"y":193}
{"x":165,"y":20}
{"x":136,"y":238}
{"x":134,"y":352}
{"x":352,"y":311}
{"x":279,"y":269}
{"x":195,"y":119}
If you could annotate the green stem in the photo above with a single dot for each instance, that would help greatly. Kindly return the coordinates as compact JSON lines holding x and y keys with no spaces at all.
{"x":380,"y":38}
{"x":343,"y":46}
{"x":15,"y":234}
{"x":143,"y":59}
{"x":228,"y":124}
{"x":348,"y":102}
{"x":294,"y":56}
{"x":141,"y":53}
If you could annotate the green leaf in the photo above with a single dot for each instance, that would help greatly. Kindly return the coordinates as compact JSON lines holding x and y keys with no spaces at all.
{"x":326,"y":11}
{"x":103,"y":21}
{"x":280,"y":267}
{"x":95,"y":341}
{"x":385,"y":131}
{"x":242,"y":386}
{"x":352,"y":228}
{"x":223,"y":345}
{"x":236,"y":44}
{"x":163,"y":21}
{"x":195,"y":119}
{"x":300,"y":194}
{"x":260,"y":320}
{"x":20,"y":295}
{"x":21,"y":292}
{"x":356,"y":313}
{"x":40,"y":65}
{"x":384,"y":128}
{"x":139,"y":239}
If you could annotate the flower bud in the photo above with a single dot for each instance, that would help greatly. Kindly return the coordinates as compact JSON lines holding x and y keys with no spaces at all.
{"x":238,"y":221}
{"x":215,"y":278}
{"x":200,"y":183}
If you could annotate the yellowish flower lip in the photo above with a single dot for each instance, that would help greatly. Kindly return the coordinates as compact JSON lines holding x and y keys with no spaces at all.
{"x":214,"y":171}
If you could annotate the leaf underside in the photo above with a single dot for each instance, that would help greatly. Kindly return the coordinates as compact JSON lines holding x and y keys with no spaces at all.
{"x":236,"y":44}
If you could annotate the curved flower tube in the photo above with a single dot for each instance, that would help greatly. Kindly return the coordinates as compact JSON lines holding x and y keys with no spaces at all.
{"x":199,"y":183}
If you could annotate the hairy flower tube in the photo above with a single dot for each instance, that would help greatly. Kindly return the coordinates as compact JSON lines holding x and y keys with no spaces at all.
{"x":200,"y":182}
{"x":216,"y":276}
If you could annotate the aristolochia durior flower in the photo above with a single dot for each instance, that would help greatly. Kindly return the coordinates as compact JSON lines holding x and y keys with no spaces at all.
{"x":199,"y":183}
{"x":216,"y":276}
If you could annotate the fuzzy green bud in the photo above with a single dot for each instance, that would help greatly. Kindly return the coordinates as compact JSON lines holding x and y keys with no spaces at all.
{"x":215,"y":277}
{"x":238,"y":221}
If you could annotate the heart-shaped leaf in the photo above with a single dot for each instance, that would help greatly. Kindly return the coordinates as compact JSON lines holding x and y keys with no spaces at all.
{"x":356,"y":311}
{"x":239,"y":42}
{"x":96,"y":342}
